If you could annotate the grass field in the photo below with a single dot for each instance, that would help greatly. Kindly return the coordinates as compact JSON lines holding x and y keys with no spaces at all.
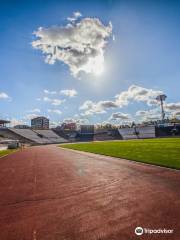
{"x":162,"y":152}
{"x":5,"y":152}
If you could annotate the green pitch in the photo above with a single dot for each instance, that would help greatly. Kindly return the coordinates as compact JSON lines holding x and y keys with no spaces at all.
{"x":162,"y":152}
{"x":5,"y":152}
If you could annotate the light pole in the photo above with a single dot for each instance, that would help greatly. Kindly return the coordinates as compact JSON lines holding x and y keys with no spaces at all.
{"x":162,"y":98}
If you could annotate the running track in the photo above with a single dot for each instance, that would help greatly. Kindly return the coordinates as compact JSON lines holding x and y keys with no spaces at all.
{"x":47,"y":193}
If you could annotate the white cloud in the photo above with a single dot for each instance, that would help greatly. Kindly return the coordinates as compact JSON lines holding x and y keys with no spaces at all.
{"x":152,"y":114}
{"x":49,"y":92}
{"x":82,"y":121}
{"x":30,"y":116}
{"x":91,"y":108}
{"x":120,"y":116}
{"x":75,"y":16}
{"x":35,"y":110}
{"x":107,"y":104}
{"x":46,"y":99}
{"x":53,"y":124}
{"x":4,"y":95}
{"x":141,"y":113}
{"x":171,"y":109}
{"x":138,"y":94}
{"x":133,"y":94}
{"x":78,"y":121}
{"x":53,"y":101}
{"x":57,"y":111}
{"x":69,"y":92}
{"x":15,"y":122}
{"x":172,"y":106}
{"x":57,"y":102}
{"x":80,"y":44}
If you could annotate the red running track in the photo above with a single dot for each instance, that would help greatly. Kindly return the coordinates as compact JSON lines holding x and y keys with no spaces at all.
{"x":47,"y":193}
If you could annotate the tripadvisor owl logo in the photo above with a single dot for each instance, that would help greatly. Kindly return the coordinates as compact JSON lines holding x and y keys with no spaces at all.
{"x":138,"y":230}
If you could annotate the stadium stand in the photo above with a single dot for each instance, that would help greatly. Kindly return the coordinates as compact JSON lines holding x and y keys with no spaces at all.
{"x":127,"y":133}
{"x":166,"y":131}
{"x":147,"y":132}
{"x":32,"y":137}
{"x":138,"y":132}
{"x":105,"y":135}
{"x":51,"y":136}
{"x":67,"y":134}
{"x":8,"y":134}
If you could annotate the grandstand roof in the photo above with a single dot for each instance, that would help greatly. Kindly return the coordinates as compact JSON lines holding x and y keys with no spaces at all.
{"x":4,"y":121}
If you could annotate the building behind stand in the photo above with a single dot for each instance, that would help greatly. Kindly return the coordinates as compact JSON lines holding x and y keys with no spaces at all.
{"x":40,"y":123}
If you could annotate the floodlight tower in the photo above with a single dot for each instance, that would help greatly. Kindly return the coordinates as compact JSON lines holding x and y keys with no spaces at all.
{"x":162,"y":98}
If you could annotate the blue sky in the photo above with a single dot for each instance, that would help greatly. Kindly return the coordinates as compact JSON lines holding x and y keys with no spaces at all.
{"x":142,"y":50}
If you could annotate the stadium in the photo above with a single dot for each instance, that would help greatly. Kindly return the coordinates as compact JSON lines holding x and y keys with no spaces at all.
{"x":59,"y":173}
{"x":101,"y":139}
{"x":156,"y":133}
{"x":40,"y":133}
{"x":71,"y":174}
{"x":89,"y":120}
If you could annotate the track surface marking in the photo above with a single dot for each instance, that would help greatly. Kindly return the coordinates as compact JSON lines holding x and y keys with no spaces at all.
{"x":48,"y":193}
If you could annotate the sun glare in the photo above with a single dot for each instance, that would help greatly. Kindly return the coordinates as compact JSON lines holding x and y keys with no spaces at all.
{"x":95,"y":65}
{"x":98,"y":69}
{"x":98,"y":65}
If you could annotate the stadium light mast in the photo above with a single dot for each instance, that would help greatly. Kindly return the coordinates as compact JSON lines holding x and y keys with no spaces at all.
{"x":162,"y":98}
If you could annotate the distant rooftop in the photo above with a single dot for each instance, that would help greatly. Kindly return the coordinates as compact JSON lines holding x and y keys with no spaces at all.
{"x":39,"y":117}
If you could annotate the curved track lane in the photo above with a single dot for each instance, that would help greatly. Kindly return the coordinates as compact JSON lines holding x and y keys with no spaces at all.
{"x":48,"y":193}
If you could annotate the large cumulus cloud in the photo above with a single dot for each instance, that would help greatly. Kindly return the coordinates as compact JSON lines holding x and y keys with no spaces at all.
{"x":80,"y":44}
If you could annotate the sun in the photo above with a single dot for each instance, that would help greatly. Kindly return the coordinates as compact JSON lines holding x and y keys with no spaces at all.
{"x":98,"y":65}
{"x":95,"y":65}
{"x":98,"y":69}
